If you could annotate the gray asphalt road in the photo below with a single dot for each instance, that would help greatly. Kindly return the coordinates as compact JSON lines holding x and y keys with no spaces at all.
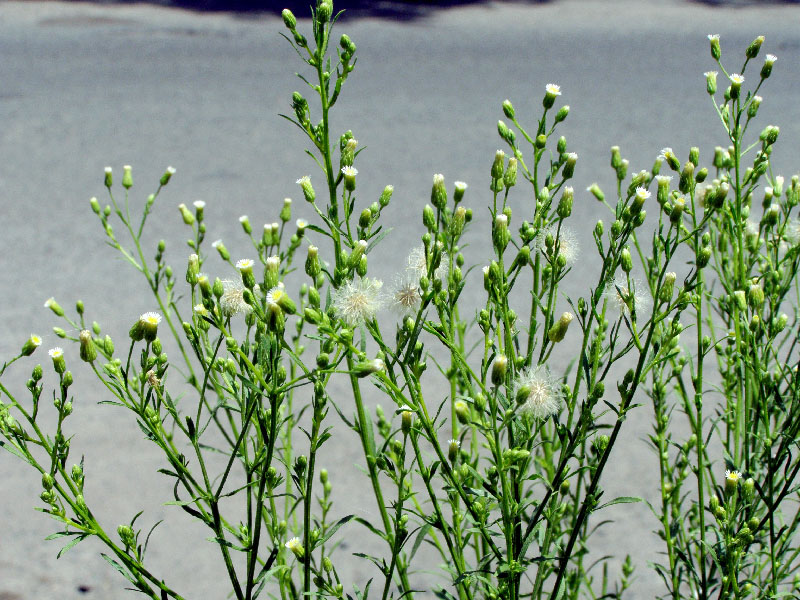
{"x":84,"y":86}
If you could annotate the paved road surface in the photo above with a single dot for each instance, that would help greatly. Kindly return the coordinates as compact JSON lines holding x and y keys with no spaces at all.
{"x":83,"y":86}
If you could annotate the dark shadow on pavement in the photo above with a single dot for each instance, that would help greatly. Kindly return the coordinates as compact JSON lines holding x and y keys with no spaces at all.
{"x":382,"y":9}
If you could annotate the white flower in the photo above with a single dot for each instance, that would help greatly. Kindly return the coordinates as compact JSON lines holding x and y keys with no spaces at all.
{"x":232,"y":300}
{"x":55,"y":352}
{"x":737,"y":79}
{"x":666,"y":153}
{"x":302,"y":181}
{"x":568,"y":245}
{"x":199,"y":204}
{"x":244,"y":264}
{"x":553,"y":89}
{"x":201,"y":310}
{"x":538,"y":393}
{"x":150,"y":318}
{"x":349,"y":171}
{"x":358,"y":301}
{"x":733,"y":476}
{"x":405,"y":297}
{"x":642,"y":193}
{"x":622,"y":298}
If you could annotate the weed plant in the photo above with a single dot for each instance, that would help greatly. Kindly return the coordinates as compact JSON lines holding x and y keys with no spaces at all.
{"x":503,"y":477}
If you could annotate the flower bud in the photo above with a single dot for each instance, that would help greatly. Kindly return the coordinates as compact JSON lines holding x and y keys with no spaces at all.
{"x":462,"y":412}
{"x":429,"y":218}
{"x":324,"y":11}
{"x":562,"y":113}
{"x":755,"y":296}
{"x":439,"y":192}
{"x":508,"y":109}
{"x":766,"y":70}
{"x":221,"y":249}
{"x":406,"y":420}
{"x":108,"y":179}
{"x":498,"y":165}
{"x":595,"y":190}
{"x":510,"y":176}
{"x":369,"y":367}
{"x":711,"y":82}
{"x":167,"y":175}
{"x":499,"y":367}
{"x":289,"y":19}
{"x":626,"y":260}
{"x":88,"y":351}
{"x":569,"y":165}
{"x":736,"y":85}
{"x":559,"y":328}
{"x":54,"y":306}
{"x":501,"y":235}
{"x":453,"y":447}
{"x":127,"y":178}
{"x":308,"y":190}
{"x":754,"y":47}
{"x":716,"y":51}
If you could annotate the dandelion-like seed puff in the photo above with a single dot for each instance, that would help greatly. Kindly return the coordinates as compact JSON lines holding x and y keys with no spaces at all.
{"x":357,"y":301}
{"x":417,"y":264}
{"x":568,"y":245}
{"x":232,"y":300}
{"x":405,"y":297}
{"x":538,"y":393}
{"x":623,"y":298}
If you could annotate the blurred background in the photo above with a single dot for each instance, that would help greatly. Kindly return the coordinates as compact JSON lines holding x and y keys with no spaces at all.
{"x":199,"y":85}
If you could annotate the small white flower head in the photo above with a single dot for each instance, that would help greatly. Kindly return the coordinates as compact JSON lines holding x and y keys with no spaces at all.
{"x":568,"y":245}
{"x":405,"y":297}
{"x":245,"y":264}
{"x":732,"y":479}
{"x":712,"y":37}
{"x":553,"y":89}
{"x":666,"y":153}
{"x":275,"y":294}
{"x":751,"y":227}
{"x":538,"y":393}
{"x":296,"y":547}
{"x":642,"y":193}
{"x":303,"y":180}
{"x":770,"y":59}
{"x":623,"y":298}
{"x":301,"y":224}
{"x":232,"y":300}
{"x":150,"y":318}
{"x":736,"y":79}
{"x":216,"y":244}
{"x":56,"y":352}
{"x":199,"y":204}
{"x":171,"y":170}
{"x":244,"y":219}
{"x":201,"y":310}
{"x":460,"y":186}
{"x":417,"y":264}
{"x":710,"y":73}
{"x":358,"y":301}
{"x":733,"y":476}
{"x":349,"y":171}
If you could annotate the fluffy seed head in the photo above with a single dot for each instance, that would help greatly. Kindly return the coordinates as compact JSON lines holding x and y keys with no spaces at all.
{"x":538,"y":393}
{"x":358,"y":301}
